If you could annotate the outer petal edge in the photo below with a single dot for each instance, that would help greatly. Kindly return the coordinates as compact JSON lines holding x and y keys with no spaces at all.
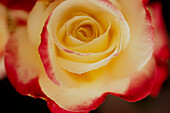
{"x":162,"y":51}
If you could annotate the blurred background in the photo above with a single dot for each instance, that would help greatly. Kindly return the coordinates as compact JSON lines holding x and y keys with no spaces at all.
{"x":10,"y":100}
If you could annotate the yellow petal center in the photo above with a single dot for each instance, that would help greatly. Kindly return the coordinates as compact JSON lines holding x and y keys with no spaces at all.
{"x":86,"y":38}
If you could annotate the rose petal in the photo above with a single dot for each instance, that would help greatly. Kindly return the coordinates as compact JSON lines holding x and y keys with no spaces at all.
{"x":142,"y":83}
{"x":23,"y":70}
{"x":54,"y":108}
{"x":113,"y":7}
{"x":161,"y":75}
{"x":141,"y":46}
{"x":93,"y":94}
{"x":161,"y":36}
{"x":161,"y":52}
{"x":38,"y":16}
{"x":75,"y":102}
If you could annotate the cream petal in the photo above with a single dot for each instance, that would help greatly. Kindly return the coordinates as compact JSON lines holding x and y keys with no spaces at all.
{"x":18,"y":57}
{"x":37,"y":18}
{"x":140,"y":48}
{"x":113,"y":7}
{"x":69,"y":97}
{"x":35,"y":23}
{"x":72,"y":41}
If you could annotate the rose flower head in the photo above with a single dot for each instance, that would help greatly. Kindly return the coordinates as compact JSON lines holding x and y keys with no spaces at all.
{"x":73,"y":53}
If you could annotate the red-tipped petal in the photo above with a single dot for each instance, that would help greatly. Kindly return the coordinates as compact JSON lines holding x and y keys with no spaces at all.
{"x":20,"y":71}
{"x":160,"y":77}
{"x":162,"y":51}
{"x":141,"y":85}
{"x":161,"y":37}
{"x":54,"y":108}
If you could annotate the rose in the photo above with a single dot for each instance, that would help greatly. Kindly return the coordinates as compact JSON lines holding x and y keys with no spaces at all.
{"x":3,"y":38}
{"x":75,"y":52}
{"x":25,"y":84}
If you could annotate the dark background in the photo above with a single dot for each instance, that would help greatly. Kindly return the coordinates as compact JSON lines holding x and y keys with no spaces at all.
{"x":11,"y":101}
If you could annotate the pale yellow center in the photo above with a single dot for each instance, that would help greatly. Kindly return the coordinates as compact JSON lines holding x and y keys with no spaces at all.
{"x":86,"y":35}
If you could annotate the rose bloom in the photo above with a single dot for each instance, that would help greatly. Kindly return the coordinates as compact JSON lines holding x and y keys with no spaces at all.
{"x":73,"y":53}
